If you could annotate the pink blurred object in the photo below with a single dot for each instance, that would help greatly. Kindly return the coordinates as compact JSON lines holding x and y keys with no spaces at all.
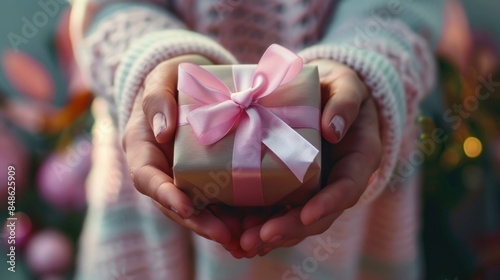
{"x":18,"y":65}
{"x":22,"y":230}
{"x":456,"y":42}
{"x":61,"y":178}
{"x":49,"y":253}
{"x":12,"y":154}
{"x":66,"y":56}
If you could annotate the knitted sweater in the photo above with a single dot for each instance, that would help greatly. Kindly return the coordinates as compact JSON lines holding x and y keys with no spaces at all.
{"x":388,"y":43}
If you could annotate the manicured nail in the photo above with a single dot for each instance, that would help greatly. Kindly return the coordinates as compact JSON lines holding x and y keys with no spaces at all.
{"x":337,"y":124}
{"x":276,"y":238}
{"x":159,"y":124}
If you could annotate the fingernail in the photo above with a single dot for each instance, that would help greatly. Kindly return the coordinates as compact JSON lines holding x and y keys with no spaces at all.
{"x":159,"y":124}
{"x":276,"y":238}
{"x":337,"y":124}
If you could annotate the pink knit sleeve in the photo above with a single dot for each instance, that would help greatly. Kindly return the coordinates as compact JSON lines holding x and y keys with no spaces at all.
{"x":113,"y":28}
{"x":125,"y":40}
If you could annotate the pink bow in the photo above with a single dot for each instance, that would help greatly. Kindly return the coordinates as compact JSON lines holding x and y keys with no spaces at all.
{"x":220,"y":110}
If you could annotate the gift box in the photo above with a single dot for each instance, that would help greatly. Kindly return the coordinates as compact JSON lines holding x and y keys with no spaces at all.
{"x":249,"y":135}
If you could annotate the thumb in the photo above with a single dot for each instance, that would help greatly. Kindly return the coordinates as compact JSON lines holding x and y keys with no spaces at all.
{"x":346,"y":93}
{"x":160,"y":91}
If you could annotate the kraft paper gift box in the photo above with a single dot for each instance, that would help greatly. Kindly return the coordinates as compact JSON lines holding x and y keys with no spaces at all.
{"x":249,"y":135}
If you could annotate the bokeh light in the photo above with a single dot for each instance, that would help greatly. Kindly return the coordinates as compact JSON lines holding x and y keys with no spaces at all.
{"x":472,"y":147}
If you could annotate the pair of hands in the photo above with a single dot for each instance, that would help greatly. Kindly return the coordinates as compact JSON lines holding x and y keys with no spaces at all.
{"x":349,"y":122}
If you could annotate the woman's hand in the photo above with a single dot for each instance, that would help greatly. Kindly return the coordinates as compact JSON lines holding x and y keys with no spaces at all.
{"x":148,"y":143}
{"x":349,"y":122}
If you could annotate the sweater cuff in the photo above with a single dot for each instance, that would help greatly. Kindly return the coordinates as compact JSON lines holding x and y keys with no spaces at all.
{"x":387,"y":91}
{"x":143,"y":56}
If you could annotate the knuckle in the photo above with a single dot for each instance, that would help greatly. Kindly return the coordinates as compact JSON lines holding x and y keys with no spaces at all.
{"x":352,"y":104}
{"x":149,"y":98}
{"x":348,"y":76}
{"x":157,"y":188}
{"x":133,"y":171}
{"x":157,"y":96}
{"x":135,"y":174}
{"x":351,"y":80}
{"x":156,"y":75}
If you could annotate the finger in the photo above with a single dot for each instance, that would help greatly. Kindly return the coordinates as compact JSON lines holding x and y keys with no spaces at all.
{"x":233,"y":245}
{"x":344,"y":93}
{"x":290,"y":227}
{"x":351,"y":173}
{"x":147,"y":165}
{"x":267,"y":249}
{"x":159,"y":100}
{"x":258,"y":216}
{"x":230,"y":216}
{"x":204,"y":224}
{"x":239,"y":254}
{"x":347,"y":93}
{"x":232,"y":223}
{"x":250,"y":239}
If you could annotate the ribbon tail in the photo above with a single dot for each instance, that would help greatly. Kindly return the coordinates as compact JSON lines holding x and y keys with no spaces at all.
{"x":298,"y":116}
{"x":295,"y":151}
{"x":246,"y":163}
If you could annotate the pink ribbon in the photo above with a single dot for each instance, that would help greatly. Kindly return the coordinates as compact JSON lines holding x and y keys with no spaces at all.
{"x":220,"y":110}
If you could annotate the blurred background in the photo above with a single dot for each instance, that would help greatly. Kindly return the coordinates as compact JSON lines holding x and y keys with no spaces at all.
{"x":46,"y":119}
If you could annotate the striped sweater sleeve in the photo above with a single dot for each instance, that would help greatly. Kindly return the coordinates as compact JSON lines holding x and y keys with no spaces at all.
{"x":390,"y":45}
{"x":125,"y":40}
